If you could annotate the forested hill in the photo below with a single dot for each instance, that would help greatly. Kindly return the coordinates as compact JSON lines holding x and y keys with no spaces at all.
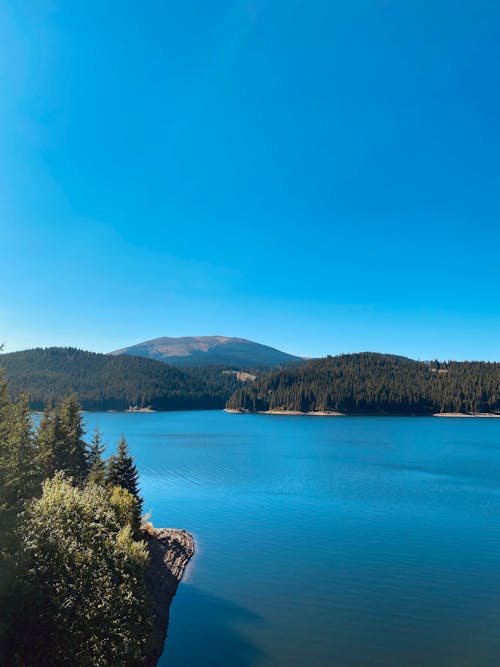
{"x":104,"y":382}
{"x":369,"y":383}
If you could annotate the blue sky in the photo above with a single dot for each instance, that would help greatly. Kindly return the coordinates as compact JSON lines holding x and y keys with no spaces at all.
{"x":319,"y":176}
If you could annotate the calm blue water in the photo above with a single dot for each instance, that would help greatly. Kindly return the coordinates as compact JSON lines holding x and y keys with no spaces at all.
{"x":324,"y":542}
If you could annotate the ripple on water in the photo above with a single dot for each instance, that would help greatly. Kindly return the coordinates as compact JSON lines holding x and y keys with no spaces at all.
{"x":344,"y":543}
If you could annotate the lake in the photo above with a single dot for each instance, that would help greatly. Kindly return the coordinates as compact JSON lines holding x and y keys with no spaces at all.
{"x":326,"y":542}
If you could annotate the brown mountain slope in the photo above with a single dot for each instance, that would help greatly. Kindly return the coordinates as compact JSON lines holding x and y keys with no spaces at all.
{"x":209,"y":350}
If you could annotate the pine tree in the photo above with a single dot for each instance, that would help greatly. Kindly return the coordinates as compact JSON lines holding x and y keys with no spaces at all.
{"x":60,"y":440}
{"x":123,"y":472}
{"x":45,"y":438}
{"x":5,"y":438}
{"x":26,"y":473}
{"x":19,"y":482}
{"x":95,"y":462}
{"x":74,"y":457}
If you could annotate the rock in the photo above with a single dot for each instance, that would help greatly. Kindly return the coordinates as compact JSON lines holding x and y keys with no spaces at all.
{"x":170,"y":550}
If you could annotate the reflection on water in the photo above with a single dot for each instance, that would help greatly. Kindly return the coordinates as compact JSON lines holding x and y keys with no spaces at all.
{"x":223,"y":642}
{"x":353,"y":542}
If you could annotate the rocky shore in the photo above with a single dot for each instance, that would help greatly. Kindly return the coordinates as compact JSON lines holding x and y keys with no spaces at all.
{"x":170,"y":550}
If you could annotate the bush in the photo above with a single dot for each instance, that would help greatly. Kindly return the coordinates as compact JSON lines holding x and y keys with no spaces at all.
{"x":84,"y":579}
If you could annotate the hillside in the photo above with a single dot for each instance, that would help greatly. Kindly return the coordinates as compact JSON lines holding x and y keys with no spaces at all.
{"x":369,"y":383}
{"x":211,"y":350}
{"x":104,"y":382}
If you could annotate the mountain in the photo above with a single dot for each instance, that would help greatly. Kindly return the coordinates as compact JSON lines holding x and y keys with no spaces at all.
{"x":104,"y":382}
{"x":370,"y":383}
{"x":209,"y":351}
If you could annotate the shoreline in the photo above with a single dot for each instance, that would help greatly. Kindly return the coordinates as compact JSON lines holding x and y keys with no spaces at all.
{"x":312,"y":413}
{"x":286,"y":413}
{"x":170,"y":550}
{"x":321,"y":413}
{"x":468,"y":415}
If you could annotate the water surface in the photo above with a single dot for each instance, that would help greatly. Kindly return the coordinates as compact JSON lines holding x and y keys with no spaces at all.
{"x":326,"y":542}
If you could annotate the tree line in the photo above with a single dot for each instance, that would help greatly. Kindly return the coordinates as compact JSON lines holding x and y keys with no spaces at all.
{"x":72,"y":559}
{"x":370,"y":383}
{"x":109,"y":382}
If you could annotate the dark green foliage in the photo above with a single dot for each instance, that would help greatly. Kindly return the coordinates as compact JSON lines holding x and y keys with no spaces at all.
{"x":71,"y":567}
{"x":20,"y":464}
{"x":95,"y":462}
{"x":19,"y":481}
{"x":370,"y":383}
{"x":83,"y":576}
{"x":216,"y":384}
{"x":122,"y":471}
{"x":60,"y":440}
{"x":107,"y":382}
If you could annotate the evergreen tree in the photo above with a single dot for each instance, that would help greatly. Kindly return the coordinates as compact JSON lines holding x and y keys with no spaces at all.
{"x":123,"y":472}
{"x":7,"y":515}
{"x":25,"y":472}
{"x":95,"y":462}
{"x":5,"y":439}
{"x":60,"y":440}
{"x":48,"y":433}
{"x":73,"y":429}
{"x":19,"y":481}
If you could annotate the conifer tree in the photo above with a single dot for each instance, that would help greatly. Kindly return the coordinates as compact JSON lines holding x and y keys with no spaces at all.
{"x":60,"y":440}
{"x":69,"y":411}
{"x":123,"y":472}
{"x":47,"y":434}
{"x":19,"y":481}
{"x":25,"y":472}
{"x":5,"y":437}
{"x":95,"y":462}
{"x":7,"y":517}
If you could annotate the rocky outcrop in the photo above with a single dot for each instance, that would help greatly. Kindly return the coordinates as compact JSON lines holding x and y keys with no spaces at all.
{"x":170,"y":550}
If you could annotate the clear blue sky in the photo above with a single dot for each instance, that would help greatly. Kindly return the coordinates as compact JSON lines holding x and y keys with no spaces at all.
{"x":320,"y":176}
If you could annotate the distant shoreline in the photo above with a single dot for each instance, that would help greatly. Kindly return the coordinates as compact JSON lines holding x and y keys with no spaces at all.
{"x":298,"y":413}
{"x":321,"y":413}
{"x":286,"y":413}
{"x":467,"y":414}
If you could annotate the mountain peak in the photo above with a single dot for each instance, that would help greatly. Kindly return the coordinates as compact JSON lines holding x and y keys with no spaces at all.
{"x":209,"y":350}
